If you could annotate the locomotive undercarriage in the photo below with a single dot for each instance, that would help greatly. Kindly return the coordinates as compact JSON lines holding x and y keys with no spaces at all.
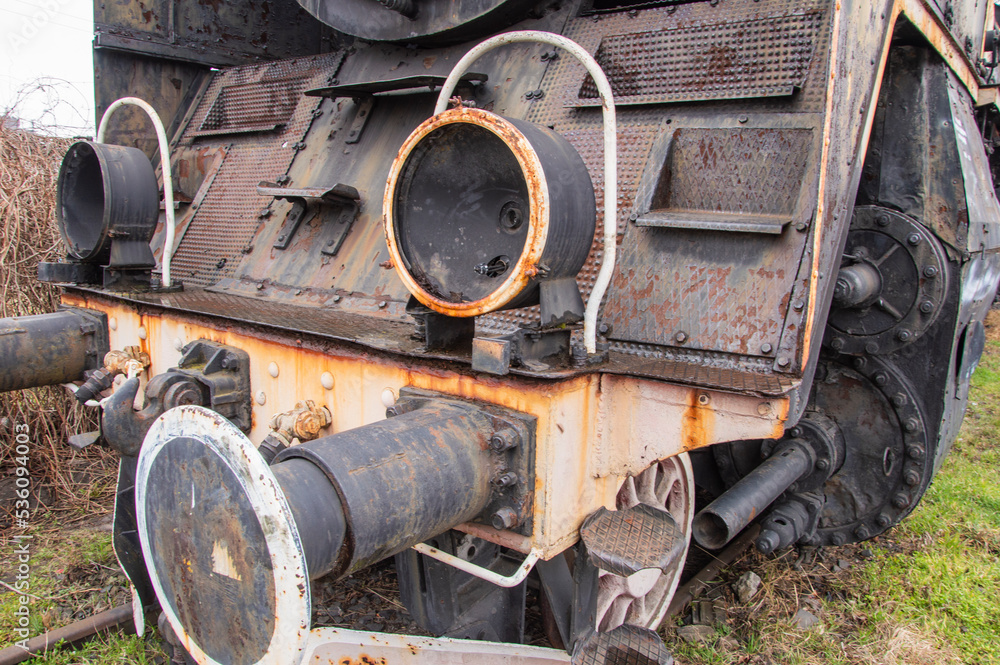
{"x":358,"y":364}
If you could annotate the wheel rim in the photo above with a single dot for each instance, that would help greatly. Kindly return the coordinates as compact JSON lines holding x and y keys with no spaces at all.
{"x":642,"y":599}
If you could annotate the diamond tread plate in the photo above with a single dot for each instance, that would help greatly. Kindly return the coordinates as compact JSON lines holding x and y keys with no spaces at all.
{"x":625,"y":645}
{"x":260,"y":113}
{"x":624,"y":542}
{"x":758,"y":57}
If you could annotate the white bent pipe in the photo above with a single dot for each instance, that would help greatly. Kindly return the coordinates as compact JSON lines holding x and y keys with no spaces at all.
{"x":506,"y":581}
{"x":168,"y":184}
{"x":610,"y":151}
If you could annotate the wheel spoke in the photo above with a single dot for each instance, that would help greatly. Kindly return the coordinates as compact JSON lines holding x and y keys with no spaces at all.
{"x":642,"y":600}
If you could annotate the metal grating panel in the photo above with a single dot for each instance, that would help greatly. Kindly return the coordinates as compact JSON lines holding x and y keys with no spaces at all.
{"x":225,"y":223}
{"x":759,"y":57}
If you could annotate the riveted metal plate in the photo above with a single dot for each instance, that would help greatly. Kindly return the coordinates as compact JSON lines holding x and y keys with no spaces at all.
{"x":261,"y":114}
{"x":758,"y":57}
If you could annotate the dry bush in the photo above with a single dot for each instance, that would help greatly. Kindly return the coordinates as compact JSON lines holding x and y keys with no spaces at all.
{"x":29,"y":167}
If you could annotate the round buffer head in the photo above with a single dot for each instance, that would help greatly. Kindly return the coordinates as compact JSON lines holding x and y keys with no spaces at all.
{"x":220,"y":544}
{"x":480,"y":208}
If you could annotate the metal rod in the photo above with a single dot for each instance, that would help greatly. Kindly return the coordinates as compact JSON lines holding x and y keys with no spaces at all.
{"x":478,"y":571}
{"x":729,"y":514}
{"x":114,"y":619}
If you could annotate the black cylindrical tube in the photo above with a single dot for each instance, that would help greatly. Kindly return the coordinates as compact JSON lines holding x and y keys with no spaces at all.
{"x":48,"y":349}
{"x":316,"y":510}
{"x":729,"y":514}
{"x":400,"y":481}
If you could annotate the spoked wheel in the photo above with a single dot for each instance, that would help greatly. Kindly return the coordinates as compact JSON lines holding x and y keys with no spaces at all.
{"x":642,"y":599}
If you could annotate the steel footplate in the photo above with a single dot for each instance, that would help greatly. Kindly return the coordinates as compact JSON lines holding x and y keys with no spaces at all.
{"x":627,"y":541}
{"x":625,"y":645}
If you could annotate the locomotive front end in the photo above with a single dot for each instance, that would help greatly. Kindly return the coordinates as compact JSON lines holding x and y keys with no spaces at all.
{"x":492,"y":287}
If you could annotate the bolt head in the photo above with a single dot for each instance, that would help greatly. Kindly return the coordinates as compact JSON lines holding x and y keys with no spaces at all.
{"x":871,"y":347}
{"x":837,"y":343}
{"x":900,"y":501}
{"x":911,"y":477}
{"x":783,"y":361}
{"x":883,"y":220}
{"x":861,"y":532}
{"x":915,"y":452}
{"x":883,"y":521}
{"x":881,"y":379}
{"x":822,"y":465}
{"x":681,"y":337}
{"x":904,"y":335}
{"x":914,"y":239}
{"x":930,"y":271}
{"x":927,"y":307}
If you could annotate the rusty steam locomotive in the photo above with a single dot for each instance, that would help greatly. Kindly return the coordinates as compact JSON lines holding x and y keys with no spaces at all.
{"x":512,"y":288}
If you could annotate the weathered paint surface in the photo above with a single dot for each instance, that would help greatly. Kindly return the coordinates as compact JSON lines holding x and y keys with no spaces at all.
{"x":335,"y":646}
{"x":592,"y":430}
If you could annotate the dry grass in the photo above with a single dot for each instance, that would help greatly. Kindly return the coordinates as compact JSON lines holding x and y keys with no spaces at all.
{"x":29,"y":166}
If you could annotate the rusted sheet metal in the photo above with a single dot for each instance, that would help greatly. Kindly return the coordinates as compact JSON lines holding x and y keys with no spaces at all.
{"x":241,"y":112}
{"x":169,"y":86}
{"x":589,"y":431}
{"x":209,"y":33}
{"x":360,"y":276}
{"x":336,"y":646}
{"x":718,"y":58}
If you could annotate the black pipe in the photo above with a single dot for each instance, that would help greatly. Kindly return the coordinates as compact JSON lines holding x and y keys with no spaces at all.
{"x":48,"y":349}
{"x":389,"y":484}
{"x":729,"y":514}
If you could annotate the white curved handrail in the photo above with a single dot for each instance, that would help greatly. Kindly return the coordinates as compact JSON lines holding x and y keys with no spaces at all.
{"x":610,"y":151}
{"x":168,"y":184}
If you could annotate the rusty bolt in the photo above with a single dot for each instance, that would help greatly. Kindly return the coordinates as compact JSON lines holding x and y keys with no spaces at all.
{"x":795,"y":432}
{"x":763,"y":408}
{"x":765,"y":348}
{"x":680,"y":337}
{"x":801,"y":227}
{"x":798,"y":305}
{"x":911,"y":477}
{"x":383,"y":304}
{"x":742,"y":119}
{"x":504,"y":439}
{"x":281,"y":238}
{"x":634,"y":216}
{"x":837,"y":343}
{"x":604,"y":328}
{"x":505,"y":518}
{"x":260,"y":286}
{"x":904,"y":335}
{"x":881,"y":379}
{"x":900,"y":501}
{"x":883,"y":520}
{"x":704,"y":399}
{"x":783,"y":361}
{"x":506,"y":479}
{"x":915,"y":452}
{"x":926,"y":307}
{"x":930,"y":272}
{"x":871,"y":347}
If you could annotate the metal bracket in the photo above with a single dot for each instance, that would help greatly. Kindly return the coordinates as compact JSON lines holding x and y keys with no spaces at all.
{"x":305,"y":201}
{"x":363,"y":111}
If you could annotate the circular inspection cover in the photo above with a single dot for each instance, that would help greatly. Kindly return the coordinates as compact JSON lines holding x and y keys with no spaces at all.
{"x":222,"y":550}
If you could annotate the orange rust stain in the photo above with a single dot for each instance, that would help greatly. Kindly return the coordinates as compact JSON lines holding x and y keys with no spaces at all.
{"x":697,"y":423}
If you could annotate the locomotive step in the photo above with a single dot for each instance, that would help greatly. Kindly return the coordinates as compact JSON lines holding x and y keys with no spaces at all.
{"x":624,"y":645}
{"x":626,"y":541}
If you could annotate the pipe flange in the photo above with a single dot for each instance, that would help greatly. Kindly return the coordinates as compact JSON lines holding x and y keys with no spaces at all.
{"x":913,"y":280}
{"x":887,"y":464}
{"x":823,"y":436}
